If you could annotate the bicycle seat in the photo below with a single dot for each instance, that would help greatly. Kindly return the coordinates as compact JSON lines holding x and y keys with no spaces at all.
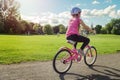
{"x":71,"y":42}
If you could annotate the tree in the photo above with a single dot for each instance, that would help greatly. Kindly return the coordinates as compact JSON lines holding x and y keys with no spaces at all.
{"x":40,"y":31}
{"x":116,"y":29}
{"x":25,"y":27}
{"x":1,"y":18}
{"x":38,"y":28}
{"x":28,"y":28}
{"x":1,"y":27}
{"x":113,"y":26}
{"x":103,"y":30}
{"x":56,"y":29}
{"x":11,"y":15}
{"x":98,"y":29}
{"x":1,"y":23}
{"x":62,"y":28}
{"x":47,"y":29}
{"x":109,"y":27}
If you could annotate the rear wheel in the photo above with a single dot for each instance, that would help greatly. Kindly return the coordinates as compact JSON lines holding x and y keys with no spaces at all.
{"x":90,"y":56}
{"x":59,"y":63}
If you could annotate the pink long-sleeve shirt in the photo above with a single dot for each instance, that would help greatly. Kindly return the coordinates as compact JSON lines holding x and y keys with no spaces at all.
{"x":73,"y":27}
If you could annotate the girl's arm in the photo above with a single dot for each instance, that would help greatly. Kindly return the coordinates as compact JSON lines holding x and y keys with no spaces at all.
{"x":85,"y":26}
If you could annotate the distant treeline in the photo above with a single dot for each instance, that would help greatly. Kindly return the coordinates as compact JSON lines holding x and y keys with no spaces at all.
{"x":113,"y":27}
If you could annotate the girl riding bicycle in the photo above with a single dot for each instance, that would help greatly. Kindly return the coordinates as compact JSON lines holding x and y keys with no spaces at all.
{"x":72,"y":32}
{"x":63,"y":59}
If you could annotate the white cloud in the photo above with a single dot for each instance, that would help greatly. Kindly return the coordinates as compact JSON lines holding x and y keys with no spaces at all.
{"x":108,"y":11}
{"x":31,"y":18}
{"x":50,"y":18}
{"x":108,"y":1}
{"x":63,"y":17}
{"x":86,"y":13}
{"x":118,"y":13}
{"x":113,"y":14}
{"x":75,"y":5}
{"x":78,"y":5}
{"x":95,"y":2}
{"x":96,"y":12}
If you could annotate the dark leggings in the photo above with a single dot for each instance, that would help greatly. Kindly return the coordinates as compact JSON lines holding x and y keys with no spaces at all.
{"x":79,"y":38}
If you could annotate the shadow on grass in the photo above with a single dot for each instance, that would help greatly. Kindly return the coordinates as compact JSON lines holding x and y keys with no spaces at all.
{"x":103,"y":73}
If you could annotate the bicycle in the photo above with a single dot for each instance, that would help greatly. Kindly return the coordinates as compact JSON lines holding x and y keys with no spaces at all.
{"x":64,"y":58}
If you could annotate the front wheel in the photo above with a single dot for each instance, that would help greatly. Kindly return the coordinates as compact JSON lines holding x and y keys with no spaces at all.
{"x":90,"y":56}
{"x":59,"y":62}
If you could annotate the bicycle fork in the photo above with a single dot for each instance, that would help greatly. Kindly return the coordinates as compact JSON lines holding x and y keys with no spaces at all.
{"x":90,"y":55}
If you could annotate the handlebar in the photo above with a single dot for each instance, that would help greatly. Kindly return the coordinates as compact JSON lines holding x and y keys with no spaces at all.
{"x":85,"y":33}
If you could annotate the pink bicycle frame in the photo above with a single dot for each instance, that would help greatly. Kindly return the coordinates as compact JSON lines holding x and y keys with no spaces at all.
{"x":74,"y":54}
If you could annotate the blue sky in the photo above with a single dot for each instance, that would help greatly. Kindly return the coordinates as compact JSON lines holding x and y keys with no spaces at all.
{"x":58,"y":11}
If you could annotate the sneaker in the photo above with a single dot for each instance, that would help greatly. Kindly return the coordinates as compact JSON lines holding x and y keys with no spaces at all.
{"x":81,"y":52}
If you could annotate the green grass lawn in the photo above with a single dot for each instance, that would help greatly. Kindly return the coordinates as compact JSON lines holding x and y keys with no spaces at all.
{"x":22,"y":48}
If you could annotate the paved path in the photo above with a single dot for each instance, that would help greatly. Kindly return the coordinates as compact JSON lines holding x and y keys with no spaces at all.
{"x":107,"y":67}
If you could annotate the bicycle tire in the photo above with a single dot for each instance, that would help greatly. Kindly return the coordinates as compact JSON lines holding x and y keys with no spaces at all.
{"x":55,"y":60}
{"x":87,"y":55}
